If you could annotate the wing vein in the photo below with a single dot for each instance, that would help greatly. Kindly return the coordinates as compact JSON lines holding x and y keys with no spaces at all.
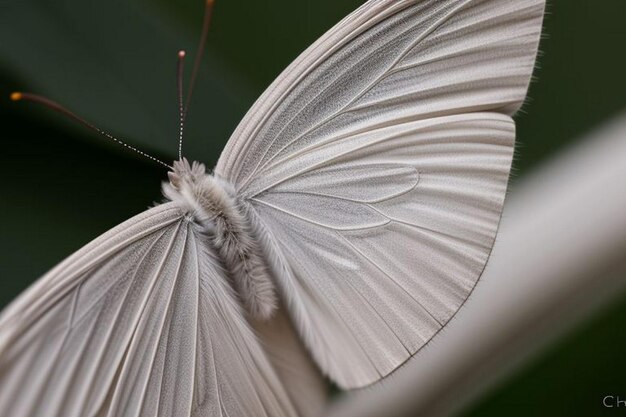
{"x":136,"y":336}
{"x":316,"y":223}
{"x":372,"y":308}
{"x":348,"y":328}
{"x":427,"y":229}
{"x":375,"y":265}
{"x":367,"y":88}
{"x":100,"y":356}
{"x":163,"y":323}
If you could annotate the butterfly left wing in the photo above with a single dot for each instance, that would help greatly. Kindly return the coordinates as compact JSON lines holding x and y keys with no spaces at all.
{"x":140,"y":322}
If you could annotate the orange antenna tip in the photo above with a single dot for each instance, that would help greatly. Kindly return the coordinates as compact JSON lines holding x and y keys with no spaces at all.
{"x":210,"y":2}
{"x":16,"y":96}
{"x":181,"y":53}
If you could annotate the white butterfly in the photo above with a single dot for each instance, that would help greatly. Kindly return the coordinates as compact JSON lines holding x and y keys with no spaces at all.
{"x":362,"y":192}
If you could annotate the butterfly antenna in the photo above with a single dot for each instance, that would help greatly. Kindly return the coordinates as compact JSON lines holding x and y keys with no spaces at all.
{"x":181,"y":106}
{"x":17,"y":96}
{"x":208,"y":13}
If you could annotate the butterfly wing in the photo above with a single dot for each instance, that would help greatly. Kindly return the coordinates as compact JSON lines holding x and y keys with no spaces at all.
{"x":139,"y":322}
{"x":375,"y":169}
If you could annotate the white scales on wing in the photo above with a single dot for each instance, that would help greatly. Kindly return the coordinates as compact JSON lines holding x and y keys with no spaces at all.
{"x":376,"y":167}
{"x":91,"y":337}
{"x":362,"y":192}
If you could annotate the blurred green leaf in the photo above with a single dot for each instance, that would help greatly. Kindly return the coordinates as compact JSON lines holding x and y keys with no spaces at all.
{"x":114,"y":64}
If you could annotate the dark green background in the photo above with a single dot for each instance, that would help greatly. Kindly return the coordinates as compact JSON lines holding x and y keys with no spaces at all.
{"x":114,"y":62}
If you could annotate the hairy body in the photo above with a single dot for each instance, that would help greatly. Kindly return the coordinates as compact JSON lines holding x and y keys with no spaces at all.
{"x":214,"y":206}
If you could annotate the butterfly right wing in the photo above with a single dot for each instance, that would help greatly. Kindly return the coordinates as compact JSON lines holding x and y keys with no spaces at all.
{"x":140,"y":322}
{"x":374,"y":171}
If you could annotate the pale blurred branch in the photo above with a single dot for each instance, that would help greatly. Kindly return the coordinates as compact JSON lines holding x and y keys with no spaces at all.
{"x":560,"y":254}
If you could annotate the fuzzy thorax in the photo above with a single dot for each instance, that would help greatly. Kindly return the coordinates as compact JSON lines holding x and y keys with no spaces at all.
{"x":214,"y":206}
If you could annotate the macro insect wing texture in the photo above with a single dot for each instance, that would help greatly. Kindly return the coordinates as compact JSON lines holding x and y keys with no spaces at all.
{"x":140,"y":322}
{"x":375,"y":168}
{"x":372,"y":174}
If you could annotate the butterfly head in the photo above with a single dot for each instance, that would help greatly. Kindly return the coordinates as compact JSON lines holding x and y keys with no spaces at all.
{"x":185,"y":172}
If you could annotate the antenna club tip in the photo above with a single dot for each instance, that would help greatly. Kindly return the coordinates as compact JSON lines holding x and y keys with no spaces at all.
{"x":210,"y":2}
{"x":181,"y":53}
{"x":16,"y":96}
